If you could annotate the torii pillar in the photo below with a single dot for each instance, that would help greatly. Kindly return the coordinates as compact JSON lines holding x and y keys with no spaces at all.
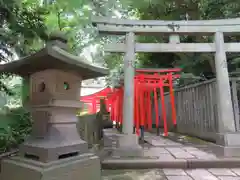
{"x":127,"y":144}
{"x":228,"y":139}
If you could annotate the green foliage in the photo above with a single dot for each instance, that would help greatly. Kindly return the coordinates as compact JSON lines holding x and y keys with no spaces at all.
{"x":15,"y":125}
{"x":21,"y":26}
{"x":200,"y":65}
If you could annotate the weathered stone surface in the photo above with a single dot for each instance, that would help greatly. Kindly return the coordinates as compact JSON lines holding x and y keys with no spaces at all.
{"x":152,"y":174}
{"x":180,"y":153}
{"x":174,"y":172}
{"x":201,"y":174}
{"x":158,"y":152}
{"x":236,"y":171}
{"x":190,"y":148}
{"x":183,"y":155}
{"x":222,"y":172}
{"x":161,"y":142}
{"x":179,"y":178}
{"x":171,"y":174}
{"x":228,"y":178}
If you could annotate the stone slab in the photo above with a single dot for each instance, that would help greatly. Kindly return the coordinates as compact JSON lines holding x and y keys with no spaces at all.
{"x":157,"y":152}
{"x":183,"y":155}
{"x":174,"y":172}
{"x":236,"y":171}
{"x":180,"y":153}
{"x":228,"y":178}
{"x":201,"y":174}
{"x":160,"y":142}
{"x":199,"y":154}
{"x":85,"y":166}
{"x":169,"y":174}
{"x":179,"y":178}
{"x":222,"y":172}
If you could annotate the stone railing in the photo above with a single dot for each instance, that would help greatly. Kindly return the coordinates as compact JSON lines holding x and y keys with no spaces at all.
{"x":197,"y":109}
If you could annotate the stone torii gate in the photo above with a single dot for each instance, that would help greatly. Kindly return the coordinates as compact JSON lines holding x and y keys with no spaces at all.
{"x":228,"y":138}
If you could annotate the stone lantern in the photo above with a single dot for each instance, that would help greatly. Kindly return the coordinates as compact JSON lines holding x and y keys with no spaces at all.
{"x":54,"y":150}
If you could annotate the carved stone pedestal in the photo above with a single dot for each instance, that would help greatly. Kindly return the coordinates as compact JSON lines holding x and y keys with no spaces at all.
{"x":228,"y":145}
{"x":128,"y":146}
{"x":82,"y":167}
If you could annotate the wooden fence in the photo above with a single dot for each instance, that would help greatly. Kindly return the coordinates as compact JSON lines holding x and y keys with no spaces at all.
{"x":196,"y":108}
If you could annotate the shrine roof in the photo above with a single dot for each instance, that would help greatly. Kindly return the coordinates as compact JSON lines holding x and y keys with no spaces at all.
{"x":53,"y":57}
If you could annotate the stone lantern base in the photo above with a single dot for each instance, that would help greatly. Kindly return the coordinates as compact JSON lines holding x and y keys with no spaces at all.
{"x":82,"y":167}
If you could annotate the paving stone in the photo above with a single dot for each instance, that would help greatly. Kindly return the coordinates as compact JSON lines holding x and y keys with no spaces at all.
{"x":236,"y":171}
{"x":201,"y":154}
{"x":201,"y":174}
{"x":179,"y":178}
{"x":183,"y":155}
{"x":174,"y":172}
{"x":198,"y":153}
{"x":155,"y":153}
{"x":175,"y":149}
{"x":157,"y":142}
{"x":228,"y":178}
{"x":222,"y":172}
{"x":173,"y":143}
{"x":157,"y":150}
{"x":189,"y":148}
{"x":207,"y":157}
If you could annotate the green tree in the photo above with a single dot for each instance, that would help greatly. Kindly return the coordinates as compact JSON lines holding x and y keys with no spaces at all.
{"x":21,"y":26}
{"x":200,"y":65}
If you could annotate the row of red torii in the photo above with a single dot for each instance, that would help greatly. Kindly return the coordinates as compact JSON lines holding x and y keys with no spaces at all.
{"x":146,"y":85}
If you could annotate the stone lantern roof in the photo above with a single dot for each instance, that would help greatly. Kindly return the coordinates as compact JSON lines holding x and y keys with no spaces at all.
{"x":54,"y":55}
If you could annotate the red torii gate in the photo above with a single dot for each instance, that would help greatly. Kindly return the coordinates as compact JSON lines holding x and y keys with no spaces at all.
{"x":146,"y":83}
{"x":93,"y":100}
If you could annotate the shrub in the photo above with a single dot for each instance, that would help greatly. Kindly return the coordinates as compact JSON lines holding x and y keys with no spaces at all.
{"x":15,"y":125}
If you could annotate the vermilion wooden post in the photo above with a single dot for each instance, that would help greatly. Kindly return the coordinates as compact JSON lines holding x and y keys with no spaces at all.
{"x":149,"y":110}
{"x":89,"y":108}
{"x":135,"y":105}
{"x":146,"y":104}
{"x":142,"y":110}
{"x":163,"y":108}
{"x":141,"y":98}
{"x":94,"y":108}
{"x":137,"y":108}
{"x":172,"y":99}
{"x":121,"y":105}
{"x":113,"y":107}
{"x":156,"y":108}
{"x":116,"y":109}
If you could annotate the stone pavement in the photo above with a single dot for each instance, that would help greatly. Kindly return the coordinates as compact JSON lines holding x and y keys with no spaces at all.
{"x":164,"y":148}
{"x":160,"y":152}
{"x":173,"y":174}
{"x":158,"y":147}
